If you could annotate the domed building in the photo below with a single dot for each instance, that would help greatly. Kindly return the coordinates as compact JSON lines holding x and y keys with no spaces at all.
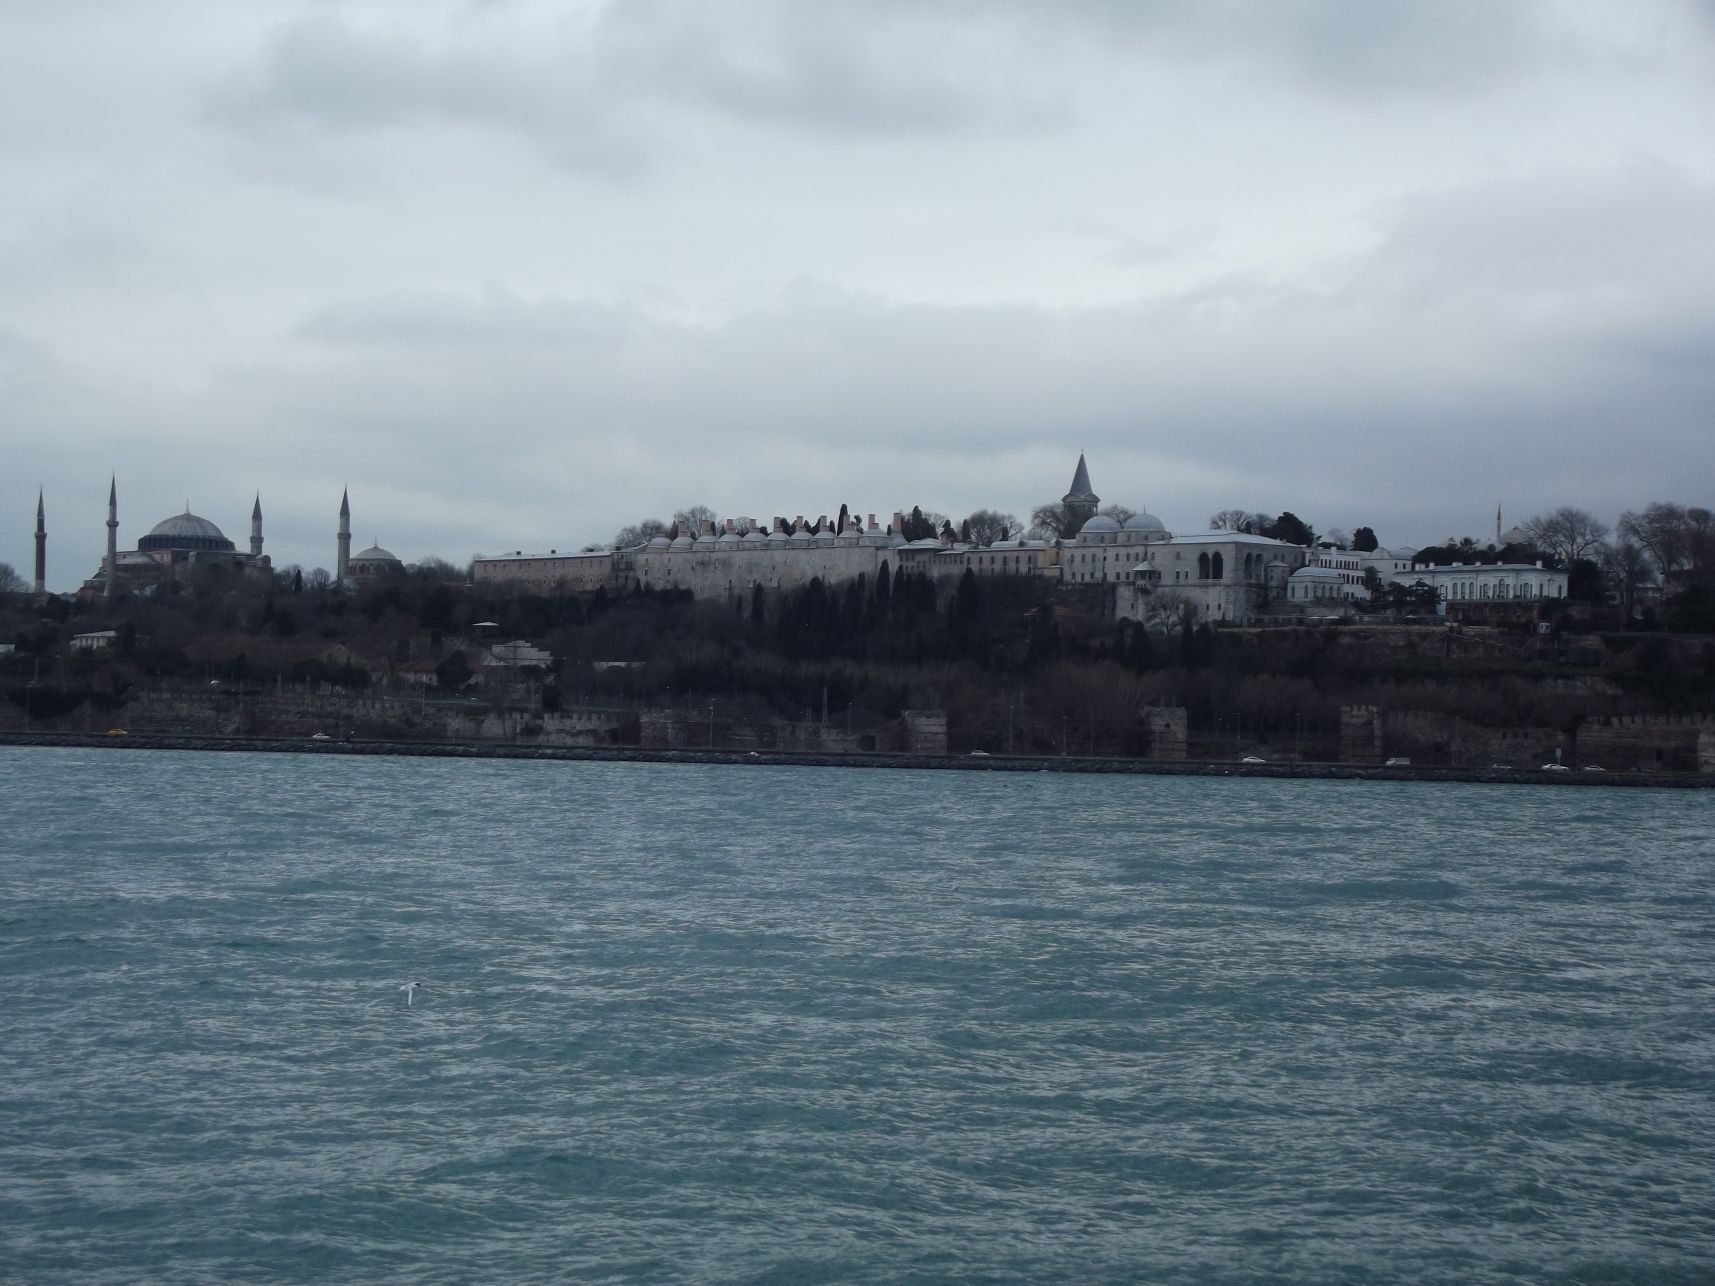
{"x":175,"y":546}
{"x":373,"y":563}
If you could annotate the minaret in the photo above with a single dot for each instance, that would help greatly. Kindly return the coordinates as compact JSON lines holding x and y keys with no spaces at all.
{"x":112,"y":538}
{"x":1080,"y":500}
{"x":256,"y":528}
{"x":342,"y":564}
{"x":41,"y":546}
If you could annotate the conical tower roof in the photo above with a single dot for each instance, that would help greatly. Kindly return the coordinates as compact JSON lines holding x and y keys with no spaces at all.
{"x":1080,"y":492}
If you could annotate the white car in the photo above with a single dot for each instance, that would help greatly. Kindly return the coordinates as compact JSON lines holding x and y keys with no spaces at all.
{"x":1253,"y":759}
{"x":1397,"y":761}
{"x":1555,"y":768}
{"x":1594,"y":768}
{"x":320,"y":736}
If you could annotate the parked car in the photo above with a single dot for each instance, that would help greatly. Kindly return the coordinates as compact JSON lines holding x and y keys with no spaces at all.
{"x":1397,"y":761}
{"x":979,"y":754}
{"x":1594,"y":768}
{"x":117,"y":732}
{"x":320,"y":736}
{"x":1253,"y":759}
{"x":1555,"y":768}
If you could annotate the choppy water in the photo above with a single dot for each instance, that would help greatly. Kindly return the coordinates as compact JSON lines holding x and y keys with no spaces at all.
{"x":805,"y":1025}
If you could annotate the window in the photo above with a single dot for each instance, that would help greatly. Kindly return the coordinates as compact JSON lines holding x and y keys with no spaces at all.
{"x":1202,"y":567}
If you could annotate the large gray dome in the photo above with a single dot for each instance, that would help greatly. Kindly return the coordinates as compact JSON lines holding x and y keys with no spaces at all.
{"x":185,"y":531}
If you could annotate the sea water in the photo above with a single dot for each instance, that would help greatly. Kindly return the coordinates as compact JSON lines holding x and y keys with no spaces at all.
{"x":747,"y":1024}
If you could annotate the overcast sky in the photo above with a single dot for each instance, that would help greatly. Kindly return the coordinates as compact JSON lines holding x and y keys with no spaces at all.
{"x":522,"y":273}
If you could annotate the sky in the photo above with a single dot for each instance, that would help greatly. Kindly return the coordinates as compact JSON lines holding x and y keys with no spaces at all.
{"x":520,"y":274}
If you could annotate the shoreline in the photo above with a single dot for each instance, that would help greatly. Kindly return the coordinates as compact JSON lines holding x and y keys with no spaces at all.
{"x":856,"y":759}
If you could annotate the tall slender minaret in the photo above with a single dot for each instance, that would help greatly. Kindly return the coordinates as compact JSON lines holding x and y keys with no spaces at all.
{"x":256,"y":527}
{"x":41,"y":545}
{"x":112,"y":538}
{"x":342,"y":566}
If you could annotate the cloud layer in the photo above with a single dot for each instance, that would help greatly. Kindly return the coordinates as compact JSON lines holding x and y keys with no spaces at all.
{"x":520,"y":274}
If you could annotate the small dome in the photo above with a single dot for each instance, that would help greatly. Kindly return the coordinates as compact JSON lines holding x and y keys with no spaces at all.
{"x":681,"y":541}
{"x":1101,"y":522}
{"x":778,"y":538}
{"x":801,"y":534}
{"x":137,"y":560}
{"x":374,"y":554}
{"x":1144,"y":522}
{"x":727,"y":538}
{"x":1316,"y":573}
{"x":660,"y":542}
{"x":850,"y":533}
{"x":754,"y":536}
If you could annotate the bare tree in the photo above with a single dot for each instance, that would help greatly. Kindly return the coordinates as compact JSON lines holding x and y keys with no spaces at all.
{"x":988,"y":526}
{"x":1054,"y":522}
{"x":639,"y":533}
{"x":1679,"y":539}
{"x":1567,"y":533}
{"x":1119,"y":513}
{"x":1248,"y":521}
{"x":1337,"y":537}
{"x":691,"y":518}
{"x":320,"y":578}
{"x":10,"y":581}
{"x":1626,"y":569}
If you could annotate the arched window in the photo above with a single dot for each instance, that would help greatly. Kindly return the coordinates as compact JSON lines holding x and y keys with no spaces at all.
{"x":1217,"y":567}
{"x":1202,"y":567}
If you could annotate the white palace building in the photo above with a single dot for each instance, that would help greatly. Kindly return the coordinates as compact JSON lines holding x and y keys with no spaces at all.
{"x":1215,"y":576}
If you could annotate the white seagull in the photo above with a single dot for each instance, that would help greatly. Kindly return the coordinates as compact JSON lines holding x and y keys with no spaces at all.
{"x":410,"y":990}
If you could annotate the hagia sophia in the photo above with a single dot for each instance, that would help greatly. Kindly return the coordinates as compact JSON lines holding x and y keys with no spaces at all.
{"x":186,"y":543}
{"x":1131,"y":560}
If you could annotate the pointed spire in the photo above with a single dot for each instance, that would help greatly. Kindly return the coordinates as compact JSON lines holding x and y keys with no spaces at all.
{"x":1081,"y":480}
{"x":256,"y":509}
{"x":113,"y":492}
{"x":345,"y":503}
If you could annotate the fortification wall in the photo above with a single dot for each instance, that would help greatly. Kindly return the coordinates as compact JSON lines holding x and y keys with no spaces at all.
{"x":1644,"y":743}
{"x":724,"y":573}
{"x":1169,"y":731}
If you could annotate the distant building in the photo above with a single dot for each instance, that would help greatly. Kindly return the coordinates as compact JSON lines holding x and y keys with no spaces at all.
{"x":173,"y":547}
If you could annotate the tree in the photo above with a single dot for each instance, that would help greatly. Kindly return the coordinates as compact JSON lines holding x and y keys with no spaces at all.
{"x":1679,"y":539}
{"x":988,"y":526}
{"x":1055,"y":522}
{"x":691,"y":519}
{"x":453,"y":672}
{"x":1291,"y":529}
{"x":639,"y":533}
{"x":1364,"y":540}
{"x":10,"y":581}
{"x":318,"y":579}
{"x":1247,"y":521}
{"x":439,"y":569}
{"x":918,"y":525}
{"x":1625,"y":569}
{"x":1119,"y":513}
{"x":1337,"y":538}
{"x":1567,"y":533}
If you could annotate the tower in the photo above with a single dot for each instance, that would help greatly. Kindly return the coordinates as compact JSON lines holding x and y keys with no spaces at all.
{"x":112,"y":563}
{"x":256,"y":527}
{"x":1080,"y":500}
{"x":342,"y":561}
{"x":41,"y":546}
